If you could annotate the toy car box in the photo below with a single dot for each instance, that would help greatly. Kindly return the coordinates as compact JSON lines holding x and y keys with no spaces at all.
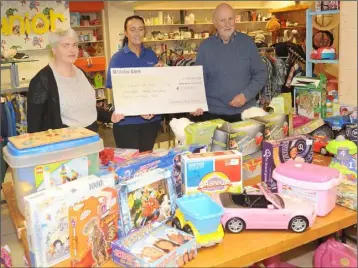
{"x":244,"y":136}
{"x":202,"y":132}
{"x":94,"y":223}
{"x":310,"y":96}
{"x":212,"y":172}
{"x":45,"y":159}
{"x":154,"y":245}
{"x":276,"y":125}
{"x":251,"y":166}
{"x":145,"y":199}
{"x":47,"y":218}
{"x":280,"y":151}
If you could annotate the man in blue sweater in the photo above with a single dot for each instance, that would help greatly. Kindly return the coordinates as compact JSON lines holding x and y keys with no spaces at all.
{"x":234,"y":72}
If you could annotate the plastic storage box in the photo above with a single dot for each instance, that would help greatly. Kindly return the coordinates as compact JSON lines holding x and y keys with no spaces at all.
{"x":45,"y":159}
{"x":309,"y":181}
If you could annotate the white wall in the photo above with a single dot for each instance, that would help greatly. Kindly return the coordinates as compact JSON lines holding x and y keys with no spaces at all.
{"x":348,"y":53}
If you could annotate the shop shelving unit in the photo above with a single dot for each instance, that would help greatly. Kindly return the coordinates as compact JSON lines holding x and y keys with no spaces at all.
{"x":309,"y":31}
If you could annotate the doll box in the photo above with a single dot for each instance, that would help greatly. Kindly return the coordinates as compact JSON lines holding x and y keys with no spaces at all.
{"x":145,"y":199}
{"x":309,"y":181}
{"x":212,"y":172}
{"x":280,"y":151}
{"x":45,"y":159}
{"x":93,"y":225}
{"x":276,"y":125}
{"x":244,"y":136}
{"x":47,"y":221}
{"x":201,"y":133}
{"x":154,"y":245}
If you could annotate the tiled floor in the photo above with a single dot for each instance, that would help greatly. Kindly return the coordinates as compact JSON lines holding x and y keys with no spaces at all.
{"x":301,"y":256}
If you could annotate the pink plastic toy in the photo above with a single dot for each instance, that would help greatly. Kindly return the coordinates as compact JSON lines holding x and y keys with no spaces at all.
{"x":265,"y":210}
{"x":334,"y":254}
{"x":312,"y":182}
{"x":273,"y":262}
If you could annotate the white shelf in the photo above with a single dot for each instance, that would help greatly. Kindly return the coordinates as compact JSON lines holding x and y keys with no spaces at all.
{"x":207,"y":23}
{"x":326,"y":12}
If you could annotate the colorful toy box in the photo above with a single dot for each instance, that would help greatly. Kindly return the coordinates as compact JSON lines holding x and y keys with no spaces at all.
{"x":244,"y":136}
{"x":310,"y":96}
{"x":212,"y":172}
{"x":154,"y":245}
{"x":202,"y":132}
{"x":145,"y":199}
{"x":93,"y":226}
{"x":251,"y":166}
{"x":309,"y":181}
{"x":45,"y":159}
{"x":280,"y":151}
{"x":47,"y":218}
{"x":276,"y":125}
{"x":282,"y":104}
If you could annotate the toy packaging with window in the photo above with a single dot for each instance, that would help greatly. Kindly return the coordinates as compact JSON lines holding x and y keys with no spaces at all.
{"x":47,"y":218}
{"x":310,"y":96}
{"x":45,"y":159}
{"x":282,"y":104}
{"x":145,"y":199}
{"x":251,"y":166}
{"x":309,"y":181}
{"x":93,"y":225}
{"x":212,"y":172}
{"x":276,"y":125}
{"x":202,"y":132}
{"x":276,"y":152}
{"x":244,"y":136}
{"x":154,"y":245}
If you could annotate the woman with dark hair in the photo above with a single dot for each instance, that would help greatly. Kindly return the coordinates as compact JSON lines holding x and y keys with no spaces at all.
{"x":135,"y":132}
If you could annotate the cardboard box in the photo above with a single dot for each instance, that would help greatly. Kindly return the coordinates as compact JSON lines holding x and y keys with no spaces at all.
{"x":280,"y":151}
{"x":202,"y":132}
{"x":145,"y":199}
{"x":282,"y":104}
{"x":154,"y":245}
{"x":347,"y":194}
{"x":244,"y":136}
{"x":212,"y":172}
{"x":251,"y":167}
{"x":310,"y":96}
{"x":276,"y":125}
{"x":47,"y":218}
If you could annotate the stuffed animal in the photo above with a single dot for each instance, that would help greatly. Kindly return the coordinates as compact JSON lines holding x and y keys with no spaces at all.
{"x":178,"y":127}
{"x":252,"y":112}
{"x":8,"y":54}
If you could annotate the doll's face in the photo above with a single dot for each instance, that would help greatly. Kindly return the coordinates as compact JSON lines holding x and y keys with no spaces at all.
{"x":165,"y":245}
{"x":293,"y":152}
{"x":176,"y":238}
{"x":152,"y":253}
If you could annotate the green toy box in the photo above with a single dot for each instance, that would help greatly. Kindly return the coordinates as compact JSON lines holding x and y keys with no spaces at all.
{"x":202,"y":132}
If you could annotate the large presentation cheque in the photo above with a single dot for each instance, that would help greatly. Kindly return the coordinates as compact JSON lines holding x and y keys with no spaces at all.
{"x":158,"y":90}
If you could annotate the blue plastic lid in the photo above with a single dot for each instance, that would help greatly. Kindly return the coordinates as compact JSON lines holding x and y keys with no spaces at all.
{"x":51,"y":147}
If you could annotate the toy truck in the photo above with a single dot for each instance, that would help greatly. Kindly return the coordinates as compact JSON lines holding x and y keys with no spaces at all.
{"x":335,"y":126}
{"x":200,"y":216}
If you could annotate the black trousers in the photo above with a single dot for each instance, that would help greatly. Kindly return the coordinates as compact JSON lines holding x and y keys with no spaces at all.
{"x":139,"y":136}
{"x":209,"y":116}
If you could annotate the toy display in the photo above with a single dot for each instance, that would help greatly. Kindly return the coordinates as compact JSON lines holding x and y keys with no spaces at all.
{"x":324,"y":53}
{"x":251,"y":166}
{"x":309,"y":181}
{"x":201,"y":133}
{"x":199,"y":216}
{"x":276,"y":125}
{"x":212,"y":172}
{"x":93,"y":222}
{"x":47,"y":218}
{"x":244,"y":136}
{"x":310,"y":96}
{"x":276,"y":152}
{"x":145,"y":199}
{"x":319,"y":144}
{"x":45,"y":159}
{"x":154,"y":245}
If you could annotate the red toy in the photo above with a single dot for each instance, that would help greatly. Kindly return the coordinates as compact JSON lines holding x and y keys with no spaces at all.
{"x":319,"y":144}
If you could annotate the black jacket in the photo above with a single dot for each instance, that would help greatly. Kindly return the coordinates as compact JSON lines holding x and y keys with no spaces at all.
{"x":43,"y":103}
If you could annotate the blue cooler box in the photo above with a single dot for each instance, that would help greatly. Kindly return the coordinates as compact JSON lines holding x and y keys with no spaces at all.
{"x":38,"y":168}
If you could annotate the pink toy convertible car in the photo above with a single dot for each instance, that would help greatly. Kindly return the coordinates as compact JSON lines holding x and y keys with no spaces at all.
{"x":265,"y":210}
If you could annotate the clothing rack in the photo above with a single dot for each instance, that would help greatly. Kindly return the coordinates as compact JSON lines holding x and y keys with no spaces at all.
{"x":296,"y":56}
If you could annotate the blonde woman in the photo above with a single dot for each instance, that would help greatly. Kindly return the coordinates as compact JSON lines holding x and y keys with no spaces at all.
{"x":60,"y":95}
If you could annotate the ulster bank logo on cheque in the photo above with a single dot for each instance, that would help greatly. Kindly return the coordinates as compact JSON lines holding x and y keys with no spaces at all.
{"x":214,"y":182}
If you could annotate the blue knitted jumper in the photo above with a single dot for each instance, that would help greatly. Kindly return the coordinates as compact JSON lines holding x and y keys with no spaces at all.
{"x":230,"y":69}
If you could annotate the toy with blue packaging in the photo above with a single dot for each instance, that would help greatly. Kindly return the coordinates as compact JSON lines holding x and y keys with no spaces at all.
{"x":154,"y":245}
{"x":145,"y":199}
{"x":199,"y":215}
{"x":47,"y":218}
{"x":54,"y":157}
